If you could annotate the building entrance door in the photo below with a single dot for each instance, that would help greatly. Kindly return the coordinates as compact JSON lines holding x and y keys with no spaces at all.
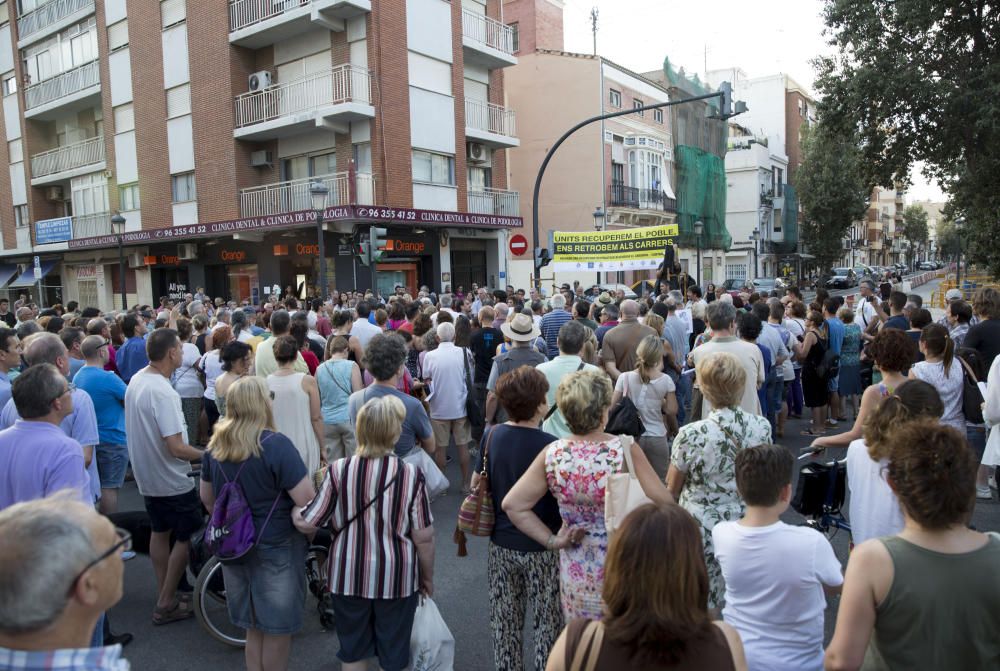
{"x":468,"y":267}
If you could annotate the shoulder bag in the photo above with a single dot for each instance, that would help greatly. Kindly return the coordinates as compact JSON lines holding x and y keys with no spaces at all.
{"x":374,"y":499}
{"x":476,"y":516}
{"x":588,"y":648}
{"x":972,"y":397}
{"x":624,"y":417}
{"x":623,"y":493}
{"x":472,"y":410}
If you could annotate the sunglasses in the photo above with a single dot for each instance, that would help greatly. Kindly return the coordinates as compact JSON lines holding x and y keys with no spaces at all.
{"x":124,"y":544}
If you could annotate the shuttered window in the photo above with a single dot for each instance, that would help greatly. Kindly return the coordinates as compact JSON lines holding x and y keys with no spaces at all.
{"x":179,"y":101}
{"x":124,"y":118}
{"x":171,"y":12}
{"x":118,"y":35}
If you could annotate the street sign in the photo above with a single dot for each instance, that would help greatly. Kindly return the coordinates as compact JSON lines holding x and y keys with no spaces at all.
{"x":518,"y":244}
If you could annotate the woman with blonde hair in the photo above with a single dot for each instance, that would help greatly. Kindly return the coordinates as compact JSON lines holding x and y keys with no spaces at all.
{"x":654,"y":395}
{"x":702,"y":472}
{"x":265,"y":590}
{"x":575,"y":471}
{"x":377,"y":501}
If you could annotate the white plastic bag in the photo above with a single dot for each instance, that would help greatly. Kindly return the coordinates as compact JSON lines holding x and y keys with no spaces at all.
{"x":432,"y":647}
{"x":436,"y":481}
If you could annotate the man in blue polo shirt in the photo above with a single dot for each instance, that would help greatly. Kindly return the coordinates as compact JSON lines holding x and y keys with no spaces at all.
{"x":131,"y":356}
{"x":836,"y":330}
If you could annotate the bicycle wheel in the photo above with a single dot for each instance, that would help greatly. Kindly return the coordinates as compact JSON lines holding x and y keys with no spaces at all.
{"x":210,"y":606}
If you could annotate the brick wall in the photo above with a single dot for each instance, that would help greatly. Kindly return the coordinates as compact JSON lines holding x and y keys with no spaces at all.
{"x":458,"y":90}
{"x":539,"y":24}
{"x":391,"y":158}
{"x":106,"y":108}
{"x":793,"y":124}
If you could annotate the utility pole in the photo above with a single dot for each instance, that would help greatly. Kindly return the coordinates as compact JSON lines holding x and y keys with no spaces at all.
{"x":593,"y":26}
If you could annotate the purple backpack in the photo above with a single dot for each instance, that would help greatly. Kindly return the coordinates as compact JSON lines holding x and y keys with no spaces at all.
{"x":230,"y":532}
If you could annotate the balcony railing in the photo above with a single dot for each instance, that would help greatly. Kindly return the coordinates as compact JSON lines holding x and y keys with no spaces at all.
{"x":243,"y":13}
{"x":487,"y":31}
{"x":71,"y":156}
{"x":342,"y":84}
{"x":495,"y":201}
{"x":92,"y":225}
{"x":293,"y":195}
{"x":490,"y":118}
{"x":640,"y":199}
{"x":63,"y":84}
{"x":47,"y":14}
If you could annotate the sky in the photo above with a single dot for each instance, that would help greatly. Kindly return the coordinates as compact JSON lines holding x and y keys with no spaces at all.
{"x":762,"y":37}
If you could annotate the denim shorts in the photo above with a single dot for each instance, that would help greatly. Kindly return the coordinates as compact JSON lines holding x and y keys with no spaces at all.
{"x":112,"y":462}
{"x":375,"y":628}
{"x":833,"y":385}
{"x":266,"y":590}
{"x":976,"y":435}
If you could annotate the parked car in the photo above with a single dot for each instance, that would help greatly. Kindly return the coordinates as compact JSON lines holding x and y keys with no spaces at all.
{"x":613,"y":289}
{"x":765,"y":285}
{"x":927,"y":265}
{"x":842,"y":278}
{"x":863,"y":271}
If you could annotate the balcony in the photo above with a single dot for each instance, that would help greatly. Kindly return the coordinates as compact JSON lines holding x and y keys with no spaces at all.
{"x":620,"y":195}
{"x":68,"y":161}
{"x":292,"y":196}
{"x":328,"y":99}
{"x":49,"y":18}
{"x":259,"y":23}
{"x":487,"y":42}
{"x":490,"y":124}
{"x":74,"y":89}
{"x":495,"y":201}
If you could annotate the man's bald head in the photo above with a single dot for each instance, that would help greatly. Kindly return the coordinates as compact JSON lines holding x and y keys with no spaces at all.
{"x":44,"y":348}
{"x":630,"y":309}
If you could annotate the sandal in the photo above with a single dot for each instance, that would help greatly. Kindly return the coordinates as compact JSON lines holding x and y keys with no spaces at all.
{"x":181,"y":610}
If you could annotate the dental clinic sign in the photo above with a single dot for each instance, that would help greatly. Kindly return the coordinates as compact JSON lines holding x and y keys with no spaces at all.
{"x":49,"y":231}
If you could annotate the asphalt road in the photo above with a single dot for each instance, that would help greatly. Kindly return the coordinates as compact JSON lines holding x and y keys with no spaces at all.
{"x":460,"y":592}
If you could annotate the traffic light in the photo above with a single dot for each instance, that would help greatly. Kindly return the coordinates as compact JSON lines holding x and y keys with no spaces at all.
{"x":363,"y":252}
{"x":726,"y":100}
{"x":376,"y":237}
{"x":542,"y":257}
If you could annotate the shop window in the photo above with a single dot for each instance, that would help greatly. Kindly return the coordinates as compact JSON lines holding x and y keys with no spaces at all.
{"x":433,"y":168}
{"x":129,"y":197}
{"x":183,"y":187}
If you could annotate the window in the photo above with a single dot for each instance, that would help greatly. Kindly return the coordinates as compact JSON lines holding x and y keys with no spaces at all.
{"x":323,"y":164}
{"x":183,"y":187}
{"x":179,"y":101}
{"x":124,"y":118}
{"x":15,"y":151}
{"x":636,"y":104}
{"x":779,"y":182}
{"x":4,"y":13}
{"x":9,"y":84}
{"x":802,"y":111}
{"x":658,"y":116}
{"x":172,"y":12}
{"x":128,"y":197}
{"x":21,"y":215}
{"x":615,"y":98}
{"x":515,"y":36}
{"x":363,"y":157}
{"x":118,"y":35}
{"x":433,"y":168}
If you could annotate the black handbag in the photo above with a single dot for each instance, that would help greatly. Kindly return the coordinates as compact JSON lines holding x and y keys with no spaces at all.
{"x":972,"y":397}
{"x":624,"y":418}
{"x":477,"y":421}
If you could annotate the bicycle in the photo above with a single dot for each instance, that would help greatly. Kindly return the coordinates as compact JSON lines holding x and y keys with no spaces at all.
{"x":819,"y":497}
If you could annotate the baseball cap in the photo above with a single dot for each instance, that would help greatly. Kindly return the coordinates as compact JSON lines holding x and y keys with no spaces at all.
{"x":953,"y":295}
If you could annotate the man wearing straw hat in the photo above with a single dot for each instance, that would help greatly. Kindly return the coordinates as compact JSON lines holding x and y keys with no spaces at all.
{"x":521,"y":331}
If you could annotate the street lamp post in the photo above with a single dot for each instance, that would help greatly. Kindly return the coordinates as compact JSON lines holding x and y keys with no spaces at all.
{"x":318,"y":191}
{"x":959,"y":225}
{"x":699,"y":228}
{"x":118,"y":225}
{"x":600,"y":222}
{"x":756,"y":239}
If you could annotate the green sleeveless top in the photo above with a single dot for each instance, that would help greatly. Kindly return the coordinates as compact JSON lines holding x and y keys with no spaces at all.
{"x":940,"y":612}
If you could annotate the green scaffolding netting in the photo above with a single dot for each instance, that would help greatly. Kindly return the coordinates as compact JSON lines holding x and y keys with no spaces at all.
{"x":701,"y":196}
{"x":790,"y":221}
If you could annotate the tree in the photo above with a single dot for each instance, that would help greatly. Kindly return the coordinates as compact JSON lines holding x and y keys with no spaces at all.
{"x":914,"y":229}
{"x":832,"y":190}
{"x":919,"y":80}
{"x":949,"y":241}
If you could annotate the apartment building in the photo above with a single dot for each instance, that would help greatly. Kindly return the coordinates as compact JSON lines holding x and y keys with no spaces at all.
{"x":885,"y":212}
{"x":205,"y":124}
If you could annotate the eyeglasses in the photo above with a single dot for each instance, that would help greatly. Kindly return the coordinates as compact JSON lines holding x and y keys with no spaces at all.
{"x":124,"y":544}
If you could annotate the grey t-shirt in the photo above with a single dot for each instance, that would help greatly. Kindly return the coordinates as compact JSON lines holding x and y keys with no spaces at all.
{"x":416,"y":425}
{"x":153,"y":412}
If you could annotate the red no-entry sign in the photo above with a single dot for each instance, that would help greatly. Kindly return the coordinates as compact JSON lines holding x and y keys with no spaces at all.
{"x":518,"y":244}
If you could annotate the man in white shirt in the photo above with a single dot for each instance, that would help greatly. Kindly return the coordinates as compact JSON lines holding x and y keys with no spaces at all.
{"x":721,"y":318}
{"x":361,"y":327}
{"x":161,"y":460}
{"x":445,"y":303}
{"x":445,"y":371}
{"x":775,"y":574}
{"x":865,"y":313}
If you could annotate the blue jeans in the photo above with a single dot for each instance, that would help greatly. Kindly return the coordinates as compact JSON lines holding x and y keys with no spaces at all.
{"x":683,"y":398}
{"x":976,"y":436}
{"x":775,"y":385}
{"x":795,"y":398}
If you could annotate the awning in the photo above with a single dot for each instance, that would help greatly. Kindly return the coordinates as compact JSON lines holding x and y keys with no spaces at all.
{"x":7,"y":271}
{"x":28,"y":279}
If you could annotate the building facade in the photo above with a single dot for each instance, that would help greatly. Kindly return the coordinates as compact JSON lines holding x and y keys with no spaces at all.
{"x":884,"y":214}
{"x":205,"y":124}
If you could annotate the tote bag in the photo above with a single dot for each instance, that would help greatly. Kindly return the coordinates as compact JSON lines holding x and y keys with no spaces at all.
{"x":623,"y":493}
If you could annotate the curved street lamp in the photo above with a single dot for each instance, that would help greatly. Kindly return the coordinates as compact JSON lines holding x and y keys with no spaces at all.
{"x":118,"y":226}
{"x":318,"y":192}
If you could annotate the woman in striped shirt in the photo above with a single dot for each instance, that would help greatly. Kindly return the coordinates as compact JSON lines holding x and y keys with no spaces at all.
{"x":383,"y":548}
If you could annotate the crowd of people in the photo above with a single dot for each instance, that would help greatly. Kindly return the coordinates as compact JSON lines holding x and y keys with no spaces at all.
{"x":340,"y":417}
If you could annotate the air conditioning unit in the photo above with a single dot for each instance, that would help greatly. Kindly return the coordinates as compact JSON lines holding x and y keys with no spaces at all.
{"x":187,"y":252}
{"x":136,"y":260}
{"x":54,"y":193}
{"x":261,"y":159}
{"x":477,"y":152}
{"x":259,"y":81}
{"x":847,"y":243}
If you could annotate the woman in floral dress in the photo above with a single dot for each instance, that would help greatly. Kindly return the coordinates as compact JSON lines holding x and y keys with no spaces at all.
{"x":575,"y":470}
{"x":702,"y":467}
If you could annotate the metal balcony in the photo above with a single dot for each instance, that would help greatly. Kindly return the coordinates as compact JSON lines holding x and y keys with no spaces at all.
{"x":49,"y":18}
{"x":92,"y":225}
{"x":620,"y":195}
{"x":68,"y":161}
{"x":487,"y":42}
{"x":259,"y":23}
{"x":495,"y":201}
{"x":293,"y":195}
{"x":328,"y":99}
{"x":490,"y":124}
{"x":76,"y":89}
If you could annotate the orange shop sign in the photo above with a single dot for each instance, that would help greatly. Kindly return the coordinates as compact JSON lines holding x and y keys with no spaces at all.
{"x":236,"y":256}
{"x":405,"y":246}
